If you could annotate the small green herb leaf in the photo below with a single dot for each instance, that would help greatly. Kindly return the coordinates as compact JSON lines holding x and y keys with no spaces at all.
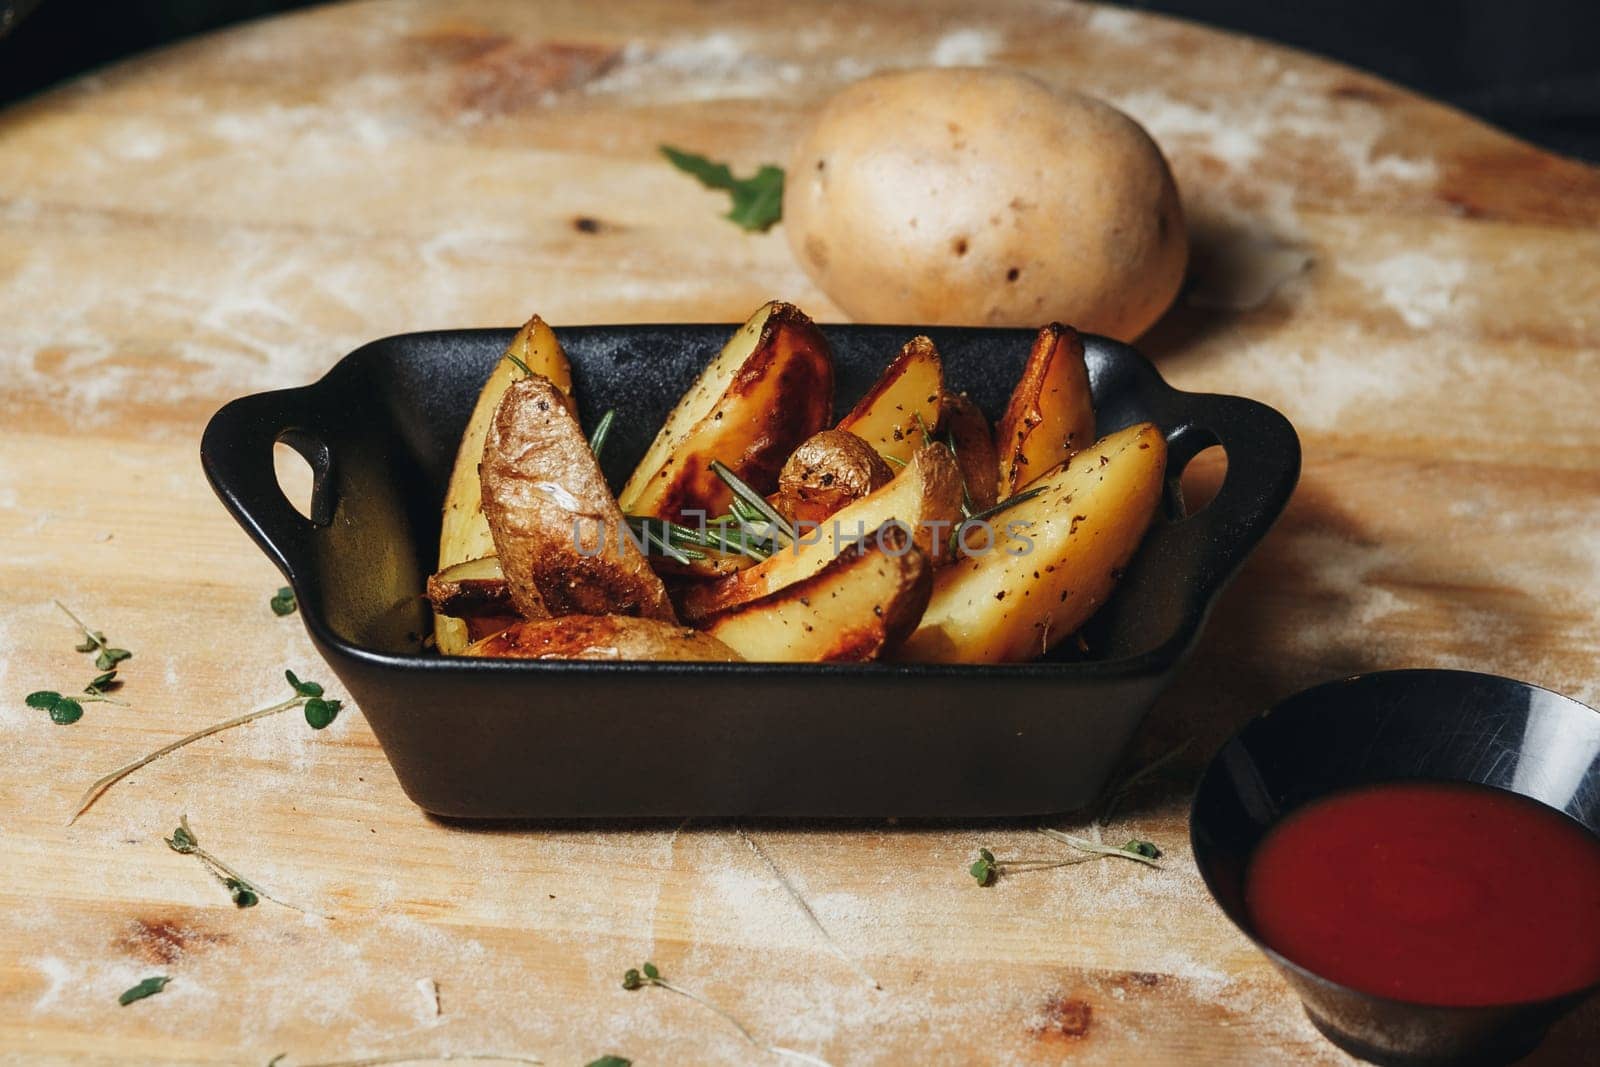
{"x":757,"y":200}
{"x":320,"y":713}
{"x":610,"y":1061}
{"x":1146,"y":849}
{"x":243,"y":896}
{"x":631,"y":979}
{"x":44,"y":699}
{"x":283,"y":602}
{"x":182,"y":839}
{"x":602,"y":430}
{"x":305,"y":689}
{"x":650,"y":971}
{"x":147,"y":988}
{"x":102,"y":682}
{"x":983,"y":868}
{"x":110,"y":657}
{"x":66,"y":712}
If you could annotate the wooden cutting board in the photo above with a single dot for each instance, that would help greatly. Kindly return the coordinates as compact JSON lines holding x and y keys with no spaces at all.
{"x":1419,"y":293}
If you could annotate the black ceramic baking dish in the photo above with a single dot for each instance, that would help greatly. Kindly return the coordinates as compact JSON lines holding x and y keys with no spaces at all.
{"x":477,"y":738}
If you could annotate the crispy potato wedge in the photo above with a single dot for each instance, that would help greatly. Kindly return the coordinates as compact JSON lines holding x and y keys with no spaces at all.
{"x":464,"y":534}
{"x":769,"y":389}
{"x":925,"y":496}
{"x":561,"y":539}
{"x":1051,"y":413}
{"x":969,"y":431}
{"x":607,"y":637}
{"x":1036,"y":586}
{"x":828,"y":471}
{"x":908,"y":390}
{"x":866,"y":600}
{"x":472,"y":589}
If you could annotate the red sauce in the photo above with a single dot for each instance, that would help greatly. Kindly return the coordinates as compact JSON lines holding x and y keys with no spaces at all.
{"x":1432,"y":892}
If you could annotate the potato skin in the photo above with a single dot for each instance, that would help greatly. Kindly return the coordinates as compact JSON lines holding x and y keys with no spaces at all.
{"x":828,"y":471}
{"x":969,"y":431}
{"x":1051,"y":412}
{"x":474,"y":589}
{"x":540,"y":482}
{"x":770,"y":388}
{"x":602,"y":637}
{"x":984,"y":197}
{"x":463,"y":532}
{"x":901,"y":403}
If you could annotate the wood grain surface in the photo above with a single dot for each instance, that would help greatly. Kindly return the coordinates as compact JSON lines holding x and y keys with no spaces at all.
{"x":1419,"y":293}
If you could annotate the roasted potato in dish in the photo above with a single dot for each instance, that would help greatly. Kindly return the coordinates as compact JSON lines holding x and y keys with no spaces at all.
{"x":562,"y":542}
{"x":1051,"y":413}
{"x":925,"y":496}
{"x":902,"y":403}
{"x":828,"y":471}
{"x":770,"y":388}
{"x":866,"y":600}
{"x":611,"y":637}
{"x":464,"y":534}
{"x":964,"y":424}
{"x":470,"y":590}
{"x":1039,"y":582}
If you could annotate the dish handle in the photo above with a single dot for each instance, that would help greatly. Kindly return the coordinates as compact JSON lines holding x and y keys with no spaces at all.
{"x":1263,"y":455}
{"x":237,"y":455}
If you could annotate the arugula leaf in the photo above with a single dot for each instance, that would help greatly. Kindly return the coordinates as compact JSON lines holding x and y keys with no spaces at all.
{"x":757,"y":200}
{"x":147,"y":988}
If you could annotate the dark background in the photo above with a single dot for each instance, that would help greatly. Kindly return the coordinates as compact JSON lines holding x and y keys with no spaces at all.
{"x":1528,"y":66}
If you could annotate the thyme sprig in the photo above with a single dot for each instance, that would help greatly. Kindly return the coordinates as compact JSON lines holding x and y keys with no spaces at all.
{"x":64,"y":709}
{"x":319,"y":712}
{"x":650,"y":975}
{"x":245,"y":894}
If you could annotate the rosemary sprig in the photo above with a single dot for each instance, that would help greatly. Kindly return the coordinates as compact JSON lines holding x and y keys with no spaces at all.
{"x":602,"y":430}
{"x":755,"y":505}
{"x":988,"y":513}
{"x":650,"y":975}
{"x":319,"y":711}
{"x":517,"y":363}
{"x":245,"y":894}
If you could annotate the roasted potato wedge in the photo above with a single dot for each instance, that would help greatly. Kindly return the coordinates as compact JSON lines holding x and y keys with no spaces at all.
{"x":470,"y":590}
{"x":607,"y":637}
{"x":464,"y":534}
{"x":827,"y":472}
{"x":769,"y":389}
{"x":1051,"y":413}
{"x":866,"y":600}
{"x":968,"y":430}
{"x":925,"y":496}
{"x":903,"y":401}
{"x":1036,"y":586}
{"x":561,"y":539}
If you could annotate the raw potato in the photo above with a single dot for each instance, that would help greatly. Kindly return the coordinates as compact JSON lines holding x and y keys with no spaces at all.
{"x":1051,"y":413}
{"x":969,"y":432}
{"x":984,"y":197}
{"x":770,"y":388}
{"x":925,"y":496}
{"x":904,"y":399}
{"x":606,"y":637}
{"x":1002,"y":606}
{"x":562,"y":542}
{"x":471,"y":590}
{"x":866,"y":600}
{"x":463,"y":533}
{"x":828,"y":471}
